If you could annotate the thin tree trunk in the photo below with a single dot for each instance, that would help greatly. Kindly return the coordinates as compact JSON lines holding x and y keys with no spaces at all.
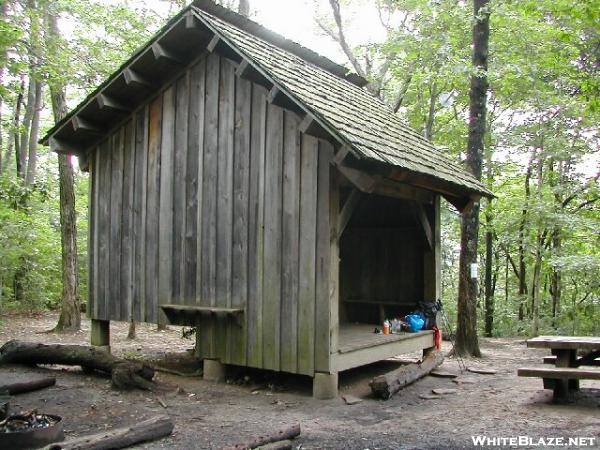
{"x":466,"y":333}
{"x":489,"y":249}
{"x":3,"y":161}
{"x":16,"y":124}
{"x":70,"y":315}
{"x":433,"y":91}
{"x":522,"y":266}
{"x":537,"y":265}
{"x":34,"y":135}
{"x":131,"y":332}
{"x":25,"y":127}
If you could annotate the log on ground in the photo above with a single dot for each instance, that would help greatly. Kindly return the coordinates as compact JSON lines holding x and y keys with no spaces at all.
{"x":27,"y":386}
{"x":148,"y":430}
{"x":124,"y":374}
{"x":260,"y":441}
{"x":384,"y":386}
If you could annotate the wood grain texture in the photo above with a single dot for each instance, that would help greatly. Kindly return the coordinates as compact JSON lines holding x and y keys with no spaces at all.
{"x":178,"y":175}
{"x":104,"y":231}
{"x":290,"y":242}
{"x":224,"y":199}
{"x":307,"y":254}
{"x":272,"y":242}
{"x":93,"y":244}
{"x":322,"y":309}
{"x":139,"y":215}
{"x":127,"y":231}
{"x":241,"y":173}
{"x":209,"y":202}
{"x":116,"y":200}
{"x":193,"y":184}
{"x":166,"y":233}
{"x":254,"y":337}
{"x":152,"y":208}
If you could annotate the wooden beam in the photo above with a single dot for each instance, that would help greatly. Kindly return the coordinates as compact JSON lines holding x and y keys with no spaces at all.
{"x":247,"y":71}
{"x":274,"y":94}
{"x":161,"y":52}
{"x":63,"y":147}
{"x":280,"y":98}
{"x":106,"y":102}
{"x":134,"y":78}
{"x":341,"y":155}
{"x":363,"y":181}
{"x":80,"y":124}
{"x":347,"y":210}
{"x":191,"y":22}
{"x":212,"y":45}
{"x":84,"y":162}
{"x":311,"y":127}
{"x":424,"y":221}
{"x":391,"y":188}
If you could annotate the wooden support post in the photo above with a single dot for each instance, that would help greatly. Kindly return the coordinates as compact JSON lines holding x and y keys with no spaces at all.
{"x":100,"y":334}
{"x":334,"y":267}
{"x":212,"y":45}
{"x":425,"y":224}
{"x":432,"y":258}
{"x":346,"y":213}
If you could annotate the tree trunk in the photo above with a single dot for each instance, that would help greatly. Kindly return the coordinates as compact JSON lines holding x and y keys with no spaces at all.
{"x":70,"y":316}
{"x":124,"y":374}
{"x":466,"y":333}
{"x":522,"y":266}
{"x":260,"y":441}
{"x":131,"y":332}
{"x":146,"y":430}
{"x":25,"y":127}
{"x":16,"y":125}
{"x":489,"y":287}
{"x":433,"y":97}
{"x":34,"y":135}
{"x":384,"y":386}
{"x":244,"y":8}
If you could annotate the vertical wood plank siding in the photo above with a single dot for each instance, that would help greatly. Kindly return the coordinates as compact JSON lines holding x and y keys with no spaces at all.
{"x":211,"y":196}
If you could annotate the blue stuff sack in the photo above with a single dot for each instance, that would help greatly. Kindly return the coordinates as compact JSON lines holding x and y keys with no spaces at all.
{"x":415,"y":322}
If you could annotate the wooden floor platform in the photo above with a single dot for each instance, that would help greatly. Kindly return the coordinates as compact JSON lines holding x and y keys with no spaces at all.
{"x":359,"y":345}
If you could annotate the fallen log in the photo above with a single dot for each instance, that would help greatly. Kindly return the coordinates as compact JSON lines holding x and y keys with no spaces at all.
{"x":27,"y":386}
{"x":124,"y":374}
{"x":148,"y":430}
{"x":280,"y":445}
{"x":259,"y":441}
{"x":384,"y":386}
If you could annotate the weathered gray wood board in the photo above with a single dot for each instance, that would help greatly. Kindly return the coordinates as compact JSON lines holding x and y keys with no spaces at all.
{"x":210,"y":196}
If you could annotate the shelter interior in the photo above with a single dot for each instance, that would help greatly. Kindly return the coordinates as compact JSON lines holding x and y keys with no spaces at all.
{"x":381,"y":261}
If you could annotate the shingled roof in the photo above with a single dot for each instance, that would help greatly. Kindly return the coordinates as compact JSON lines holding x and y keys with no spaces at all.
{"x":335,"y":98}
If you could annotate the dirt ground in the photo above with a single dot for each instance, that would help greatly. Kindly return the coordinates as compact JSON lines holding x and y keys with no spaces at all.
{"x":209,"y":415}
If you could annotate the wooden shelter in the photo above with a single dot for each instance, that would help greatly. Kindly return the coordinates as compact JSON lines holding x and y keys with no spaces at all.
{"x":245,"y":185}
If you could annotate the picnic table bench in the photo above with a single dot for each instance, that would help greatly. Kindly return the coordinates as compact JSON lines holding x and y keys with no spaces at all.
{"x":564,"y":377}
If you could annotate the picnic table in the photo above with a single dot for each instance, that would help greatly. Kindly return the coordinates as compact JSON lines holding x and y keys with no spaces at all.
{"x":568,"y":355}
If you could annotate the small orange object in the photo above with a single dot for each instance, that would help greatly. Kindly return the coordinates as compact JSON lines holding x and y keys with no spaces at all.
{"x":386,"y":327}
{"x":437,"y":338}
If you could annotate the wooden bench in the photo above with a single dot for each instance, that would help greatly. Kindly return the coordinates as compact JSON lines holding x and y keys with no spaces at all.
{"x":562,"y":380}
{"x":190,"y":315}
{"x":552,"y":360}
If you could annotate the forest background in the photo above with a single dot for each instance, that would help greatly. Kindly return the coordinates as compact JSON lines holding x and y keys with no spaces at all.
{"x":539,"y":253}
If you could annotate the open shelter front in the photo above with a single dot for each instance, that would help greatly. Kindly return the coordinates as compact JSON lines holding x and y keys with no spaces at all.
{"x":248,"y":187}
